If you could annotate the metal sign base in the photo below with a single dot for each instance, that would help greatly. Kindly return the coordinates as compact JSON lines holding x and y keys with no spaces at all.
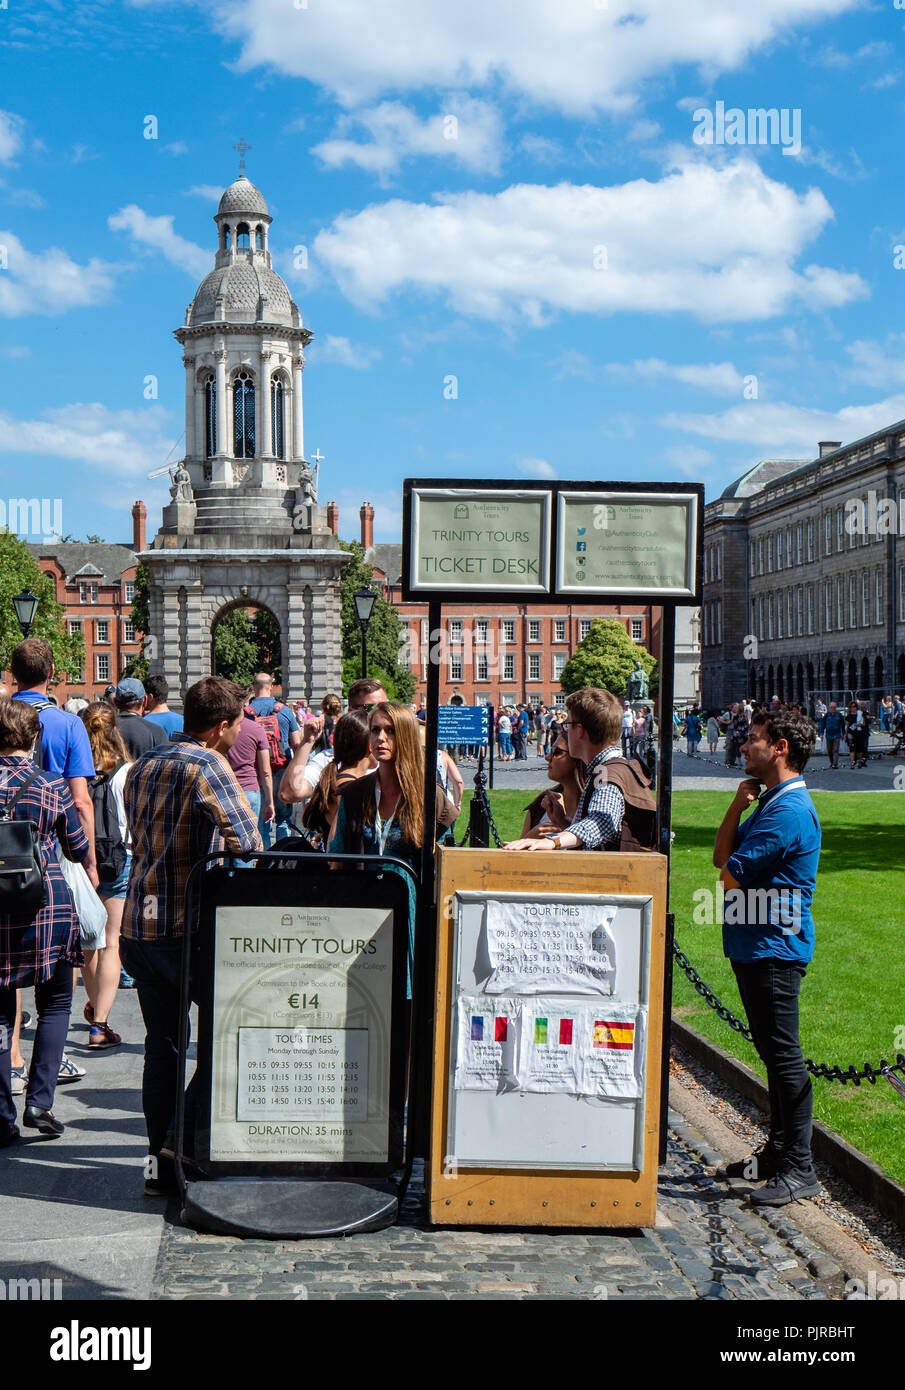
{"x":287,"y":1210}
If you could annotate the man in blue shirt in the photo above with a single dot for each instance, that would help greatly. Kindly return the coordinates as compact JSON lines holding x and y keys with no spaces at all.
{"x":157,"y":691}
{"x":833,"y":728}
{"x":65,"y":746}
{"x":768,"y":869}
{"x":264,"y":702}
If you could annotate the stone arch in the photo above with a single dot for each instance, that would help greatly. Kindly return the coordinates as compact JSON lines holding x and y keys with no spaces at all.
{"x":852,"y":675}
{"x":879,"y":675}
{"x":900,"y":672}
{"x":216,"y":608}
{"x":799,"y":683}
{"x":780,"y":687}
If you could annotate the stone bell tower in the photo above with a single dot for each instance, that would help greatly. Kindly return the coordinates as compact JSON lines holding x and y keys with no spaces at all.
{"x":243,"y":527}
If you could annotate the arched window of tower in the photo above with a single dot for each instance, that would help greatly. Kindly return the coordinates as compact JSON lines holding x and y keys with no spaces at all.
{"x":243,"y":237}
{"x":210,"y":416}
{"x":259,"y":238}
{"x":243,"y":415}
{"x":277,"y":396}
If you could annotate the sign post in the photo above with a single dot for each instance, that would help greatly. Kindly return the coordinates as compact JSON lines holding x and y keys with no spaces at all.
{"x":299,"y":1093}
{"x":572,"y":542}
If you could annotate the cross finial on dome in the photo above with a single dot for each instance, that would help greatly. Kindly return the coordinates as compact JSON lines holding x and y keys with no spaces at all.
{"x":242,"y":147}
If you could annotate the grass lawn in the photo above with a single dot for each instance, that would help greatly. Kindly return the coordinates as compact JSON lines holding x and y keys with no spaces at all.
{"x":853,"y":997}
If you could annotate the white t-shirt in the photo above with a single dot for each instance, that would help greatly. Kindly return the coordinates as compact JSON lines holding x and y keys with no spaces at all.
{"x":504,"y":725}
{"x":117,"y":784}
{"x":315,"y":766}
{"x":627,"y":719}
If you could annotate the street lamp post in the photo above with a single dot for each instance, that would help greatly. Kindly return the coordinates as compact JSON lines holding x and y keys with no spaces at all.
{"x":364,"y":604}
{"x":26,"y":606}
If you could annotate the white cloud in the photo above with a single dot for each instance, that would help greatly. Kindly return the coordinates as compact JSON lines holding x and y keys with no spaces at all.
{"x":157,"y":233}
{"x":776,"y":429}
{"x":121,"y":445}
{"x":177,"y":147}
{"x":344,"y":353}
{"x":880,"y":364}
{"x":465,"y":130}
{"x":49,"y":282}
{"x":211,"y":192}
{"x":715,"y":241}
{"x":11,"y":129}
{"x":542,"y":149}
{"x":693,"y":462}
{"x":719,"y":377}
{"x":570,"y":56}
{"x":536,"y":468}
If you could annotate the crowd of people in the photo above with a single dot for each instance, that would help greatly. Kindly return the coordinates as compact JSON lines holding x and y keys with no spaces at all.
{"x":125,"y":796}
{"x":847,"y":727}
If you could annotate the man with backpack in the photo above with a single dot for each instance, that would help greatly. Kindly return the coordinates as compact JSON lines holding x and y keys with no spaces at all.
{"x":283,"y":737}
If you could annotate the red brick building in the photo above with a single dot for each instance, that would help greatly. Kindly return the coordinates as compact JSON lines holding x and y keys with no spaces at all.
{"x":503,"y":654}
{"x":95,"y":583}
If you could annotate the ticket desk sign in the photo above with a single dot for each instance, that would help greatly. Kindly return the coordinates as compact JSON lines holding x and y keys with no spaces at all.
{"x":301,"y":1049}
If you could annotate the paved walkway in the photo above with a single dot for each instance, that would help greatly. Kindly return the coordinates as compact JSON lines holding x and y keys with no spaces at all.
{"x":74,"y":1209}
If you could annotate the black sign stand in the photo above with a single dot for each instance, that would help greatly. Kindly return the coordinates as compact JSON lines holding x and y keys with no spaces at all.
{"x":285,"y":1199}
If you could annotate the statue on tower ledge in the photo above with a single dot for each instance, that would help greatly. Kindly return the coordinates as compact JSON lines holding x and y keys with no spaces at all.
{"x":181,"y":489}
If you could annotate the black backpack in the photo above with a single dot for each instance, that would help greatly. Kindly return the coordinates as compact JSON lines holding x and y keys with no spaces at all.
{"x":23,"y":888}
{"x":109,"y":849}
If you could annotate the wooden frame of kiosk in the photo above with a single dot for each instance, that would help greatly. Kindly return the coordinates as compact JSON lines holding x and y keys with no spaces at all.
{"x":613,"y":1181}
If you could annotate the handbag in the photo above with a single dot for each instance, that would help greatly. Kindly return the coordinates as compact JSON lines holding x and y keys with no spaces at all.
{"x":23,"y":887}
{"x":91,"y":912}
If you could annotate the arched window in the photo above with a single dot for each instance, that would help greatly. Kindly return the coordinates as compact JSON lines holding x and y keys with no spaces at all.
{"x":243,"y":416}
{"x":277,"y":406}
{"x":243,"y":237}
{"x":210,"y":416}
{"x":259,"y":238}
{"x":227,"y":238}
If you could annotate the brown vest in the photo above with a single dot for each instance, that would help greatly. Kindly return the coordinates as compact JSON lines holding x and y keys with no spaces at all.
{"x":639,"y":823}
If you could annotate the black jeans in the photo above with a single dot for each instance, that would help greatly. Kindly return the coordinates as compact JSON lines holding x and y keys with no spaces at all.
{"x":769,"y":990}
{"x":155,"y":968}
{"x":53,"y":1002}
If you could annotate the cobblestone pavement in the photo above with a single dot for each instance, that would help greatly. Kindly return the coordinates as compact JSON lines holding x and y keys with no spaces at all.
{"x":707,"y":1245}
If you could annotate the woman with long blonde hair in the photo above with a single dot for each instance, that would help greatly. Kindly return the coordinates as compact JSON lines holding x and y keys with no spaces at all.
{"x":101,"y":971}
{"x":382,"y":813}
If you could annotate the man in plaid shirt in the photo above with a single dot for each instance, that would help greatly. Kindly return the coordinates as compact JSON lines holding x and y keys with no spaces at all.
{"x":182,"y":802}
{"x":593,"y":728}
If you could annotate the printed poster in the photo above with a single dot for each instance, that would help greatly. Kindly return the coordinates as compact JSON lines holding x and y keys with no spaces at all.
{"x":613,"y":1051}
{"x":542,"y":947}
{"x":488,"y":1044}
{"x":550,"y":1059}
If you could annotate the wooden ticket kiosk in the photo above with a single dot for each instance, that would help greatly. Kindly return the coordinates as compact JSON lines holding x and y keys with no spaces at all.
{"x":547,"y":1039}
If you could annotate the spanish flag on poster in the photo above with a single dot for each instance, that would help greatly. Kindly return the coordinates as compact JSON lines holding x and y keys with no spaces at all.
{"x":616,"y":1035}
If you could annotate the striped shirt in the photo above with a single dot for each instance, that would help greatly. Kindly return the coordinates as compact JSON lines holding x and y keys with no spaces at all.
{"x":598,"y":816}
{"x":182,"y":802}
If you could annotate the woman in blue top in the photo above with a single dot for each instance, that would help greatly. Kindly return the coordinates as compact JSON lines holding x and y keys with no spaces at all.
{"x":383,"y":812}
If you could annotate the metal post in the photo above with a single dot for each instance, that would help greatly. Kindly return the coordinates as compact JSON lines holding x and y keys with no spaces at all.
{"x":364,"y":651}
{"x":425,"y":935}
{"x":489,"y":710}
{"x":664,"y":825}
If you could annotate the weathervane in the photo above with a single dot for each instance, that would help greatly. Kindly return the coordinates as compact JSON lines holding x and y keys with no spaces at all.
{"x":242,"y":147}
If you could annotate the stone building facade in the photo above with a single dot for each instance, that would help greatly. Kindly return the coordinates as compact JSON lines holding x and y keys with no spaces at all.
{"x":243,"y":528}
{"x":804,"y":576}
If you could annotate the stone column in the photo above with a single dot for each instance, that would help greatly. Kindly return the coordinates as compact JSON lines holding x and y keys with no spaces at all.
{"x":200,"y":424}
{"x":197,"y":633}
{"x":298,"y":429}
{"x":294,"y":634}
{"x":190,"y":445}
{"x":169,"y":645}
{"x":265,"y":443}
{"x":224,"y":447}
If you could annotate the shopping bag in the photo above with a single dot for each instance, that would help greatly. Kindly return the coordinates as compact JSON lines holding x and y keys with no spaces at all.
{"x":91,"y":912}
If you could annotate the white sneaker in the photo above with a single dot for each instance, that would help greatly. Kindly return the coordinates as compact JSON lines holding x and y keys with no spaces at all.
{"x":69,"y":1070}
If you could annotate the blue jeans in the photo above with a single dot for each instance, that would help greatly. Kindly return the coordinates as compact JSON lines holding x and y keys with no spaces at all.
{"x":769,"y":990}
{"x":254,"y":801}
{"x":155,"y":967}
{"x":281,"y":827}
{"x":53,"y":1002}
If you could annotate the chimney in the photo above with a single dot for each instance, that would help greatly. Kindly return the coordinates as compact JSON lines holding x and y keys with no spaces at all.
{"x":367,"y":525}
{"x":139,"y":512}
{"x":828,"y":446}
{"x":333,"y":517}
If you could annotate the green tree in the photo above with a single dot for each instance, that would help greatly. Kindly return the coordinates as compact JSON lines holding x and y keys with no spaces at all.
{"x":245,"y":644}
{"x":138,"y":666}
{"x":385,"y":633}
{"x":605,"y":659}
{"x":20,"y":570}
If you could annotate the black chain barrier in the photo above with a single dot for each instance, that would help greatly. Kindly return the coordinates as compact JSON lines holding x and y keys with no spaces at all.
{"x":819,"y":1069}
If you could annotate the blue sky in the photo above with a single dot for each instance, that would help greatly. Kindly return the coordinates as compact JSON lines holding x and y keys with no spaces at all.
{"x":511,"y":195}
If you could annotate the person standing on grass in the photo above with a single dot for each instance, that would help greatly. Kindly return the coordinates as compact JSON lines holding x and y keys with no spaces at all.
{"x":768,"y":869}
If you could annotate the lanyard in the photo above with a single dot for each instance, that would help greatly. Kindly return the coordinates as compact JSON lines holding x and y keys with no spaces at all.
{"x":383,"y":827}
{"x":789,"y":786}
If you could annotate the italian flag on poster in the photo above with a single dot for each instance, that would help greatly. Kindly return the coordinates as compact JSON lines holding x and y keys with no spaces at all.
{"x":549,"y":1060}
{"x":613,"y":1052}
